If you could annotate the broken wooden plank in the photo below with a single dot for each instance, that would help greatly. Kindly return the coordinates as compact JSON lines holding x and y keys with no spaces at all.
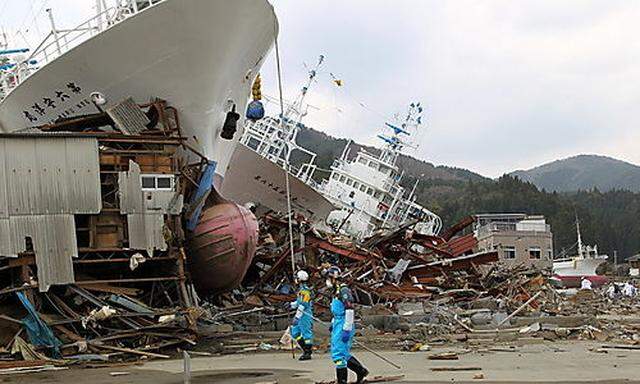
{"x":453,"y":369}
{"x":622,"y":346}
{"x":132,"y":351}
{"x":444,"y":356}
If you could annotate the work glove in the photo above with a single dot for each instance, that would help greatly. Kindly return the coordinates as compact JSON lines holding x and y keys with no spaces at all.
{"x":345,"y":335}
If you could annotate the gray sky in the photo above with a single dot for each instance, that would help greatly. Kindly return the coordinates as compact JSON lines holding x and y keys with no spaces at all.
{"x":507,"y":84}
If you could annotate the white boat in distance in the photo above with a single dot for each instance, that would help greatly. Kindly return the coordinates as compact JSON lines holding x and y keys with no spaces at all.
{"x":201,"y":56}
{"x":570,"y":271}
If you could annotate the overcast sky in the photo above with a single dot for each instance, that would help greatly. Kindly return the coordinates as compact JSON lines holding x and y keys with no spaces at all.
{"x":507,"y":84}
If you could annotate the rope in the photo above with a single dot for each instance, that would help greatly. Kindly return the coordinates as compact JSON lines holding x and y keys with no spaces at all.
{"x":286,"y":169}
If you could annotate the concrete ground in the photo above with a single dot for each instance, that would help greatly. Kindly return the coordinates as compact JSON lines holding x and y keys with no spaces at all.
{"x":558,"y":362}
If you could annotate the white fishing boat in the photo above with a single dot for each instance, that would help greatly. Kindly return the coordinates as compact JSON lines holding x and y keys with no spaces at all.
{"x":368,"y":191}
{"x":359,"y":197}
{"x":570,"y":271}
{"x":202,"y":56}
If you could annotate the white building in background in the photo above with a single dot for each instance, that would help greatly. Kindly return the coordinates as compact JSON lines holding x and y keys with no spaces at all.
{"x":518,"y":238}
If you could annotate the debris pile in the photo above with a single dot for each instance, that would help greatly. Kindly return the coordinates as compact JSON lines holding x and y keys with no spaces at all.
{"x":92,"y":262}
{"x":430,"y":289}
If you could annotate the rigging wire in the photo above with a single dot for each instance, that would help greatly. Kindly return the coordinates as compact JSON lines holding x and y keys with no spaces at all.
{"x":286,"y":168}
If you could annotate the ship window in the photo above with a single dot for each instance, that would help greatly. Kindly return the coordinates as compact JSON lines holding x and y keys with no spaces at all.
{"x":253,"y":143}
{"x":370,"y":191}
{"x":373,"y":165}
{"x":342,"y":178}
{"x":362,"y":160}
{"x":352,"y":194}
{"x":534,"y":253}
{"x":335,"y":176}
{"x":349,"y":182}
{"x":356,"y":185}
{"x":378,"y":195}
{"x":363,"y":188}
{"x":509,"y":252}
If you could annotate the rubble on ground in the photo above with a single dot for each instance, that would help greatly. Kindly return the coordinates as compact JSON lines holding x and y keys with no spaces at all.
{"x":416,"y":290}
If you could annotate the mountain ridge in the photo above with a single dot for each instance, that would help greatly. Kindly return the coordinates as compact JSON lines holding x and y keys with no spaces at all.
{"x":582,"y":173}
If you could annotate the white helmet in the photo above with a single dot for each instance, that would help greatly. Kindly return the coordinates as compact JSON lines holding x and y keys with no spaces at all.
{"x":302,"y":276}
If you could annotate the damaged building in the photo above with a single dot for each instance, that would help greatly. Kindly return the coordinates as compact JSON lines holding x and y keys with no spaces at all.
{"x":518,"y":238}
{"x":91,"y":231}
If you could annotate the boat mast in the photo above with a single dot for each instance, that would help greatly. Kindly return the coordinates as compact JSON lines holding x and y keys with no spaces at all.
{"x":54,"y":31}
{"x":297,"y":105}
{"x":580,"y":252}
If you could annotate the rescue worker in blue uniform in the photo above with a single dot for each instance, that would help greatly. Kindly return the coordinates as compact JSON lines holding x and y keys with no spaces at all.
{"x":302,"y":326}
{"x":343,"y":329}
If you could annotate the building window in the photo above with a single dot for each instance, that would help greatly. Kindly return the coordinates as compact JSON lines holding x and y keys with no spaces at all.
{"x":534,"y":253}
{"x":148,"y":182}
{"x":253,"y":143}
{"x":157,"y":182}
{"x":163,"y":182}
{"x":550,"y":254}
{"x":509,"y":252}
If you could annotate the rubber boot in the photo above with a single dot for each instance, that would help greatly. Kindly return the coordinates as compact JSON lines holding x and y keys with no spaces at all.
{"x":341,"y":375}
{"x":360,"y":371}
{"x":306,"y":348}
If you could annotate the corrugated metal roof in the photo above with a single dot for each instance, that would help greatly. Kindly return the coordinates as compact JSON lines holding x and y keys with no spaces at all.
{"x":128,"y":117}
{"x":5,"y":238}
{"x":145,"y":231}
{"x":4,"y":204}
{"x":54,"y":243}
{"x":130,"y":190}
{"x":459,"y":245}
{"x":51,"y":175}
{"x":164,"y":201}
{"x":44,"y":181}
{"x":145,"y":210}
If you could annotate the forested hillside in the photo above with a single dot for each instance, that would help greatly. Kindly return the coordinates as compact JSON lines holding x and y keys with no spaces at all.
{"x":609,"y":219}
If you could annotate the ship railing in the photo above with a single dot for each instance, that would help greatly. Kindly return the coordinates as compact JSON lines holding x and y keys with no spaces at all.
{"x":59,"y":41}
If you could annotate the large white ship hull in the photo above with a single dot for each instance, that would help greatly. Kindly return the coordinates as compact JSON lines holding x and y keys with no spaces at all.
{"x":200,"y":55}
{"x":252,"y":178}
